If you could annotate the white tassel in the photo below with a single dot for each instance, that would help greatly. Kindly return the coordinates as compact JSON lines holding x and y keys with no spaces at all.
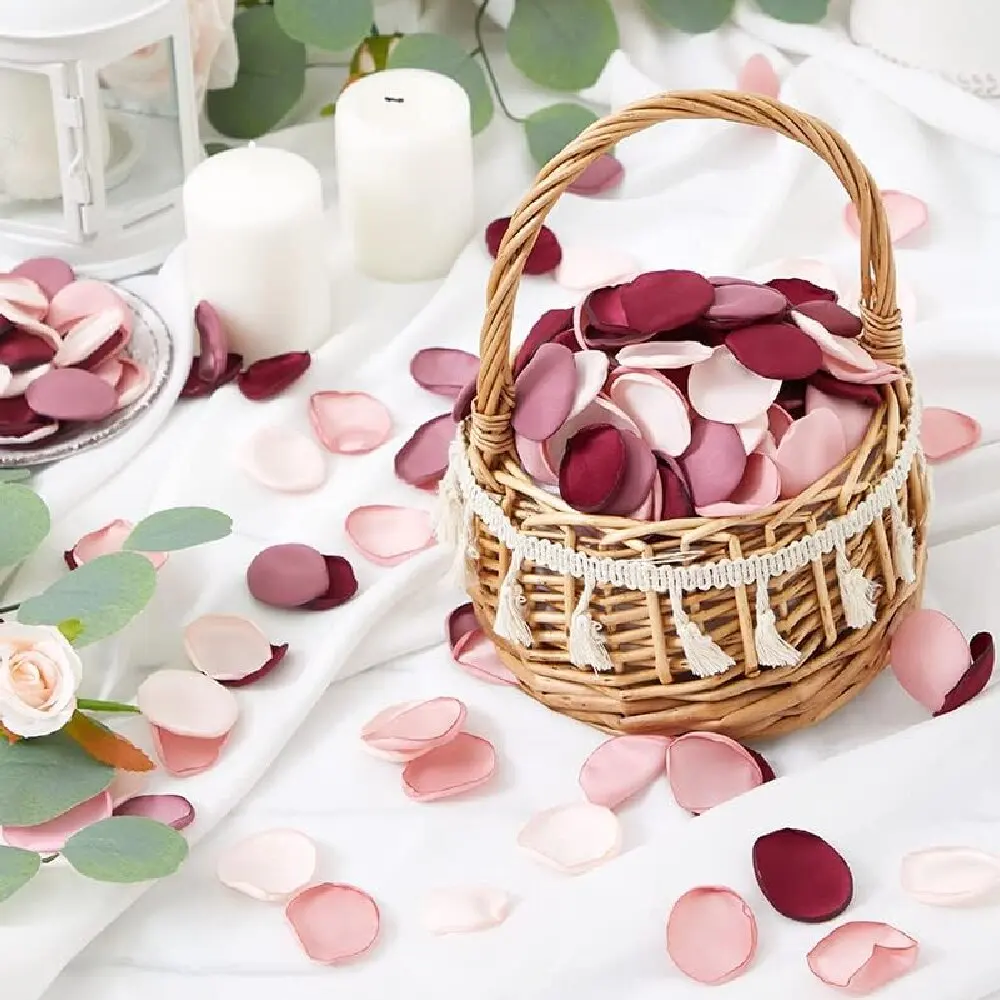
{"x":903,"y":547}
{"x":510,"y":623}
{"x":857,"y":593}
{"x":704,"y":657}
{"x":772,"y":649}
{"x":448,"y":514}
{"x":586,"y":644}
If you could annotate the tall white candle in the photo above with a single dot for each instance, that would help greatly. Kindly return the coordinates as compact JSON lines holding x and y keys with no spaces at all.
{"x":404,"y":173}
{"x":257,"y":249}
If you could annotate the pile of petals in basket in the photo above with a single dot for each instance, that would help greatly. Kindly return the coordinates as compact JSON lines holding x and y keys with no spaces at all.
{"x":63,"y":352}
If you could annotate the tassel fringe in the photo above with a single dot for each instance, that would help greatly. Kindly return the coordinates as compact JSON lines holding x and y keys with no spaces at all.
{"x":510,"y":623}
{"x":903,"y":546}
{"x":453,"y":524}
{"x":586,"y":644}
{"x":704,"y":657}
{"x":772,"y":649}
{"x":857,"y":593}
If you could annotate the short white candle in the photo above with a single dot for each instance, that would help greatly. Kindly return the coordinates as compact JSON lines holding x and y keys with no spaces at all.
{"x":404,"y":173}
{"x":257,"y":249}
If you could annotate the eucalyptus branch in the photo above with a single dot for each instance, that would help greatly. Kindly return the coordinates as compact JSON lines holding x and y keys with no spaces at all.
{"x":8,"y":609}
{"x":480,"y":50}
{"x":93,"y":705}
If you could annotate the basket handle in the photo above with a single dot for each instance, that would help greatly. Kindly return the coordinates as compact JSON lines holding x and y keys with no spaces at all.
{"x":491,"y":433}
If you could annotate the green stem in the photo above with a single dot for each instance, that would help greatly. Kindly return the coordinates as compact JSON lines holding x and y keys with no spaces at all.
{"x":92,"y":705}
{"x":480,"y":50}
{"x":9,"y":608}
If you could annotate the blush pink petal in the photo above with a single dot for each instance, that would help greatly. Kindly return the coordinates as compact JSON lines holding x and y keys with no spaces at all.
{"x":572,"y":838}
{"x":409,"y":728}
{"x":758,"y":76}
{"x":951,"y":876}
{"x":466,"y":910}
{"x":87,"y":336}
{"x":50,"y":837}
{"x":453,"y":768}
{"x":929,"y":655}
{"x":711,"y":935}
{"x":388,"y":536}
{"x":127,"y":785}
{"x":334,"y":923}
{"x":171,"y":810}
{"x":475,"y":653}
{"x":133,"y":381}
{"x":882,"y":373}
{"x":668,"y":354}
{"x":591,"y":374}
{"x":906,"y":214}
{"x":759,"y":488}
{"x":349,"y":423}
{"x":946,"y":434}
{"x":975,"y":679}
{"x":105,"y":541}
{"x":85,"y":298}
{"x":544,"y":392}
{"x":270,"y":866}
{"x":187,"y":703}
{"x":443,"y":370}
{"x":744,"y":303}
{"x":622,"y":767}
{"x":752,"y":432}
{"x":854,"y":417}
{"x":422,"y":461}
{"x":23,"y":291}
{"x":603,"y":174}
{"x":49,"y":273}
{"x":657,"y":408}
{"x":842,"y":349}
{"x":707,"y":769}
{"x":813,"y":446}
{"x":284,"y":460}
{"x":721,"y":389}
{"x":592,"y":265}
{"x":186,"y":756}
{"x":228,"y":648}
{"x":778,"y":421}
{"x":714,"y":463}
{"x":862,"y":956}
{"x":534,"y":458}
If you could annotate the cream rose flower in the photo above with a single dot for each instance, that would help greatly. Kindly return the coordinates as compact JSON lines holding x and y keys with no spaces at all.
{"x":39,"y":675}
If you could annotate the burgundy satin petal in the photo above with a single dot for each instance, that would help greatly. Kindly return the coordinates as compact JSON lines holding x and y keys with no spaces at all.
{"x":825,"y":382}
{"x":798,"y":290}
{"x":342,"y":587}
{"x":837,"y":320}
{"x":665,"y":300}
{"x":213,"y":342}
{"x":422,"y":461}
{"x":545,"y":254}
{"x":545,"y":329}
{"x":21,"y":349}
{"x":592,"y":467}
{"x":270,"y":377}
{"x":637,"y":478}
{"x":171,"y":810}
{"x":196,"y":387}
{"x":766,"y":771}
{"x":775,"y":350}
{"x":603,"y":174}
{"x":976,"y":677}
{"x":677,"y":502}
{"x":111,"y":348}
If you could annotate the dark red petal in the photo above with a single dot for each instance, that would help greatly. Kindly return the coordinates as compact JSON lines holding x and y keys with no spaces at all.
{"x":832,"y":386}
{"x":269,"y":377}
{"x":546,"y":328}
{"x":665,"y":300}
{"x":592,"y":467}
{"x":422,"y":461}
{"x":277,"y":655}
{"x":213,"y":342}
{"x":677,"y":502}
{"x":766,"y":771}
{"x":798,"y":290}
{"x":343,"y":585}
{"x":545,"y":254}
{"x":976,"y":677}
{"x":196,"y":387}
{"x":604,"y":310}
{"x":775,"y":350}
{"x":802,"y":876}
{"x":460,"y":623}
{"x":112,"y":347}
{"x":20,"y":349}
{"x":637,"y":479}
{"x":604,"y":174}
{"x":837,"y":320}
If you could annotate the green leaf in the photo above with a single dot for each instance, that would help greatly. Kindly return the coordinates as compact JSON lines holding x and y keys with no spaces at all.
{"x":552,"y":128}
{"x":178,"y":528}
{"x":104,"y":595}
{"x":796,"y":11}
{"x":44,"y":777}
{"x":126,"y":849}
{"x":697,"y":17}
{"x":333,"y":25}
{"x":562,"y":44}
{"x":271,"y":79}
{"x":24,"y":522}
{"x":14,"y":475}
{"x":445,"y":55}
{"x":17,"y":868}
{"x":214,"y":148}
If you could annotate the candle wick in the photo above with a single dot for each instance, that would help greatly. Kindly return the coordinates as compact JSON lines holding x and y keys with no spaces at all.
{"x":394,"y":100}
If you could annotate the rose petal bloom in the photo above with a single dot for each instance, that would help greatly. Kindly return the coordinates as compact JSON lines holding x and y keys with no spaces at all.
{"x":39,"y":676}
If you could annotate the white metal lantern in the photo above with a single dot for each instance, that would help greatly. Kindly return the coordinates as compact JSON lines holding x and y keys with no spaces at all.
{"x":89,"y":172}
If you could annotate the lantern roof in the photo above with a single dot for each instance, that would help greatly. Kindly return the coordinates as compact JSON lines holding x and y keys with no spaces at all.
{"x":53,"y":19}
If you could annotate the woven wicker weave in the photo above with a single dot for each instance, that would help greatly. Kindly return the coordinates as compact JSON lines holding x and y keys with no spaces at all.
{"x":649,"y":689}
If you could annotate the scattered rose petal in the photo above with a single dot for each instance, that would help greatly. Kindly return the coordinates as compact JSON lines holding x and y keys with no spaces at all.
{"x":600,"y":175}
{"x":802,"y":876}
{"x":905,"y":212}
{"x":950,"y":876}
{"x":104,"y":541}
{"x":929,"y":656}
{"x":49,"y":273}
{"x":657,"y":408}
{"x":722,"y":389}
{"x":422,"y":461}
{"x":861,"y":956}
{"x":759,"y":488}
{"x":622,"y":767}
{"x":71,"y":394}
{"x":85,"y":337}
{"x":230,"y":649}
{"x":854,"y":417}
{"x":49,"y":837}
{"x":835,"y":319}
{"x":270,"y":377}
{"x":287,"y":576}
{"x":172,"y":810}
{"x":187,"y":703}
{"x":460,"y":623}
{"x":463,"y":911}
{"x":544,"y":392}
{"x":443,"y":370}
{"x":660,"y":301}
{"x":544,"y":256}
{"x":775,"y":350}
{"x":270,"y":866}
{"x":197,"y":387}
{"x":213,"y":342}
{"x":349,"y":423}
{"x":284,"y":460}
{"x":186,"y":756}
{"x":133,"y":381}
{"x":743,"y":304}
{"x":669,"y":354}
{"x":975,"y":679}
{"x":85,"y":298}
{"x":869,"y":395}
{"x":591,"y":265}
{"x":714,"y":462}
{"x":404,"y":731}
{"x":475,"y":653}
{"x":802,"y":289}
{"x":813,"y":446}
{"x":545,"y":329}
{"x":592,"y":467}
{"x":711,"y":935}
{"x":21,"y":349}
{"x":463,"y":763}
{"x":342,"y":586}
{"x":946,"y":434}
{"x":758,"y":76}
{"x":707,"y":769}
{"x":388,"y":536}
{"x":573,"y":838}
{"x":334,"y":923}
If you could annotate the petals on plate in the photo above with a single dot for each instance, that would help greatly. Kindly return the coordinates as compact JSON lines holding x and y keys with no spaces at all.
{"x":18,"y":382}
{"x":171,"y":810}
{"x":601,"y":175}
{"x":759,"y":487}
{"x":812,"y":447}
{"x":975,"y":679}
{"x":270,"y":377}
{"x":855,"y":418}
{"x":475,"y":653}
{"x":951,"y":876}
{"x":668,"y":354}
{"x":722,"y":389}
{"x":284,"y":460}
{"x":111,"y":349}
{"x":349,"y":423}
{"x":186,"y":756}
{"x":544,"y":256}
{"x":929,"y":656}
{"x":775,"y":350}
{"x":187,"y":703}
{"x":573,"y":838}
{"x":758,"y":76}
{"x":422,"y":461}
{"x":946,"y":434}
{"x":714,"y":463}
{"x":387,"y":535}
{"x":465,"y":910}
{"x":448,"y":769}
{"x":660,"y":301}
{"x":49,"y":273}
{"x":657,"y":407}
{"x":862,"y":956}
{"x":86,"y":336}
{"x":106,"y":540}
{"x":197,"y":387}
{"x":802,"y":876}
{"x":288,"y":575}
{"x":711,"y":934}
{"x":403,"y":731}
{"x":50,"y":837}
{"x":71,"y":394}
{"x":544,"y":392}
{"x":905,"y":212}
{"x":744,"y":303}
{"x":592,"y":467}
{"x":22,"y":349}
{"x":213,"y":342}
{"x":133,"y":380}
{"x":592,"y":265}
{"x":707,"y":769}
{"x":230,"y":649}
{"x":334,"y":923}
{"x":83,"y":298}
{"x":443,"y":370}
{"x":270,"y":866}
{"x":622,"y":767}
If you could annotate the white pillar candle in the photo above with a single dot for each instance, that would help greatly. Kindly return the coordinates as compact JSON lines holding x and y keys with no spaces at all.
{"x":404,"y":173}
{"x":257,"y":249}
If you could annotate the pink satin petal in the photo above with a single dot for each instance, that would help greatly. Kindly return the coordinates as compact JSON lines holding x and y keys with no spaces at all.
{"x":443,"y":370}
{"x":544,"y":392}
{"x":459,"y":624}
{"x":951,"y":876}
{"x":881,"y":373}
{"x":841,"y":349}
{"x":284,"y":460}
{"x":622,"y":767}
{"x":186,"y":756}
{"x":50,"y":837}
{"x":422,"y":461}
{"x":104,"y":541}
{"x":414,"y":726}
{"x":71,"y":394}
{"x":349,"y":423}
{"x":27,"y":321}
{"x":975,"y":679}
{"x":714,"y":463}
{"x":463,"y":763}
{"x":813,"y":446}
{"x":126,"y":785}
{"x":187,"y":703}
{"x":572,"y":838}
{"x":929,"y":655}
{"x":657,"y":408}
{"x":721,"y":389}
{"x":711,"y":935}
{"x":591,"y":374}
{"x":49,"y":273}
{"x":387,"y":535}
{"x":668,"y":354}
{"x":288,"y":575}
{"x":111,"y":371}
{"x":25,"y":293}
{"x":946,"y":434}
{"x":171,"y":810}
{"x":227,"y":647}
{"x":585,"y":266}
{"x":600,"y":411}
{"x":133,"y":381}
{"x":19,"y":381}
{"x":759,"y":488}
{"x":906,"y":214}
{"x":753,"y":431}
{"x":778,"y":421}
{"x":603,"y":174}
{"x":758,"y":76}
{"x":84,"y":298}
{"x":855,"y":418}
{"x":86,"y":336}
{"x":534,"y":459}
{"x":707,"y":769}
{"x":465,"y":910}
{"x":334,"y":923}
{"x":861,"y":956}
{"x":475,"y":653}
{"x":270,"y":866}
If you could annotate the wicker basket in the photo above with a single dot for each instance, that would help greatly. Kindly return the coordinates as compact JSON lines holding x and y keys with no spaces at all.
{"x":752,"y":626}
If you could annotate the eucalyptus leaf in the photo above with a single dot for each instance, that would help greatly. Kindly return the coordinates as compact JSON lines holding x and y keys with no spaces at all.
{"x":444,"y":55}
{"x":214,"y":148}
{"x":126,"y":849}
{"x":552,"y":128}
{"x":44,"y":777}
{"x":796,"y":11}
{"x":562,"y":44}
{"x":694,"y":18}
{"x":14,"y":475}
{"x":333,"y":25}
{"x":17,"y":868}
{"x":24,"y":522}
{"x":103,"y":595}
{"x":271,"y":79}
{"x":178,"y":528}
